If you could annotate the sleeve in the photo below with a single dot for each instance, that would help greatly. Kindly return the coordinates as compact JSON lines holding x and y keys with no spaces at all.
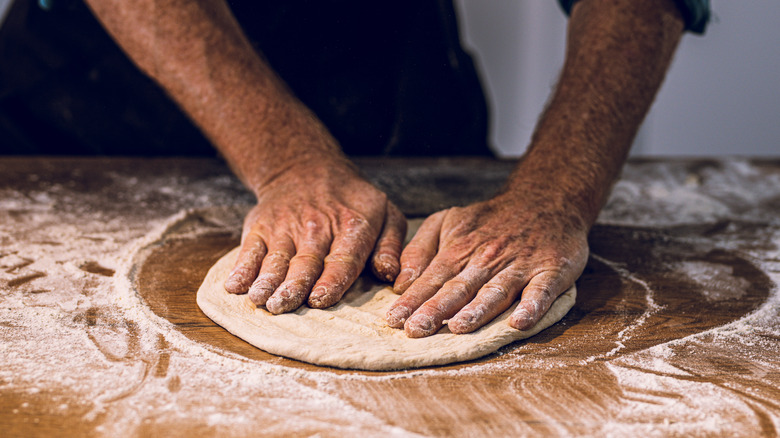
{"x":696,"y":13}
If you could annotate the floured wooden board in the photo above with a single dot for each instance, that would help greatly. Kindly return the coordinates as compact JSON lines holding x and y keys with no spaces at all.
{"x":676,"y":329}
{"x":353,"y":333}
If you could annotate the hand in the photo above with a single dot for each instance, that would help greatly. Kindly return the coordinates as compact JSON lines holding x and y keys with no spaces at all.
{"x":470,"y":264}
{"x":310,"y":235}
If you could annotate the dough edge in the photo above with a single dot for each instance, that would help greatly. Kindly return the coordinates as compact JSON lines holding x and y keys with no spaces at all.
{"x":353,"y":334}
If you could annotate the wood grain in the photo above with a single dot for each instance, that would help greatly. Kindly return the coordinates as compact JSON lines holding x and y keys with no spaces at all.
{"x":642,"y":347}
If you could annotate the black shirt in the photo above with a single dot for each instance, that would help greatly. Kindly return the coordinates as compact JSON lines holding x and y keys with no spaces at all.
{"x":387,"y":78}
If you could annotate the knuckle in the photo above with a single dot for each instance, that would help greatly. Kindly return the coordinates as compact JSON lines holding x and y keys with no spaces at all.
{"x":552,"y":265}
{"x":307,"y":258}
{"x":546,"y":292}
{"x":276,"y":264}
{"x":357,"y":233}
{"x":268,"y":280}
{"x":334,"y":283}
{"x":263,"y":281}
{"x":461,"y":247}
{"x":392,"y":241}
{"x":255,"y":224}
{"x":415,"y":251}
{"x":495,"y":293}
{"x":312,"y":225}
{"x":252,"y":236}
{"x":313,"y":228}
{"x":386,"y":256}
{"x":457,"y":283}
{"x":298,"y":285}
{"x":562,"y":262}
{"x":278,"y":256}
{"x":558,"y":260}
{"x":341,"y":259}
{"x":354,"y":221}
{"x":387,"y":252}
{"x":457,"y":288}
{"x":358,"y":247}
{"x":493,"y":250}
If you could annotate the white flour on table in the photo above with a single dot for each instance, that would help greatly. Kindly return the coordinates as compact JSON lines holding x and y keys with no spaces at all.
{"x":73,"y":331}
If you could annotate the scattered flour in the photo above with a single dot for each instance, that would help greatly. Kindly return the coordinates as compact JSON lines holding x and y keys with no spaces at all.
{"x":718,"y":281}
{"x":72,"y":329}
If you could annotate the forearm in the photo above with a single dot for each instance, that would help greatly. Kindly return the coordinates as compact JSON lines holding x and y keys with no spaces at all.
{"x":197,"y":52}
{"x":618,"y":52}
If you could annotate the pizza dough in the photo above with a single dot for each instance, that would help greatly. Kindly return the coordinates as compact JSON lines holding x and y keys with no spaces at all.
{"x":353,"y":333}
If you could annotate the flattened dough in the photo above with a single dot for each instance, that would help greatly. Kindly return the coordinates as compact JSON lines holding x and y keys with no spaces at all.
{"x":353,"y":333}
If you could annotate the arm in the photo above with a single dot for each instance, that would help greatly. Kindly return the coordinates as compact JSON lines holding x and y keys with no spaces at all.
{"x":470,"y":264}
{"x":316,"y":221}
{"x":197,"y":52}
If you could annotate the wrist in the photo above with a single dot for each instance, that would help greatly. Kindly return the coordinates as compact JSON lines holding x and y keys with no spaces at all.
{"x":309,"y":171}
{"x":556,"y":182}
{"x":285,"y":139}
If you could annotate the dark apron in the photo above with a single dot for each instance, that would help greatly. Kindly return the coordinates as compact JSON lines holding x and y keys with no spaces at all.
{"x":387,"y":79}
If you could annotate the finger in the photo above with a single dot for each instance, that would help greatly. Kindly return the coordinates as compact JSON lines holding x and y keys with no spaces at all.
{"x":492,"y":299}
{"x":419,"y":253}
{"x":426,"y":286}
{"x":304,"y":268}
{"x":346,"y":260}
{"x":452,"y":296}
{"x":273,"y":270}
{"x":537,"y":298}
{"x":385,"y":262}
{"x":250,"y":256}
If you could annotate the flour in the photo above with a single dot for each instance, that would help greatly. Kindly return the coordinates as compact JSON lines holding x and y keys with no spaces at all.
{"x":76,"y":335}
{"x":85,"y":339}
{"x":717,"y":281}
{"x":695,"y":193}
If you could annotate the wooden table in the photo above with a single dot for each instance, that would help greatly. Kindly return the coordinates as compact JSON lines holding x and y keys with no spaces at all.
{"x":676,"y":329}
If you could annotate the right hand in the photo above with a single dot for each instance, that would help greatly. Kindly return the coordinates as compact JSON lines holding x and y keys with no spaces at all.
{"x":310,"y":234}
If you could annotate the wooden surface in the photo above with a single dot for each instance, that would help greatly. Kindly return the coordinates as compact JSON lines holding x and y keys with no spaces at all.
{"x":609,"y":303}
{"x":651,"y":347}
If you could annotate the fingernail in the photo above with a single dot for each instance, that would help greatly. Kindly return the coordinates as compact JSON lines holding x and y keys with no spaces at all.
{"x":403,"y":280}
{"x":419,"y":326}
{"x":462,"y":323}
{"x":317,"y":298}
{"x":236,"y":281}
{"x":259,"y":292}
{"x":521,"y":319}
{"x":277,"y":305}
{"x":274,"y":305}
{"x":397,"y":316}
{"x":386,"y":259}
{"x":282,"y":301}
{"x":385,"y":267}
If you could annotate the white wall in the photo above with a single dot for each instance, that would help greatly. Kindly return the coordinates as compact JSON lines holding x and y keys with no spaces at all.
{"x":519,"y":47}
{"x":722,"y":95}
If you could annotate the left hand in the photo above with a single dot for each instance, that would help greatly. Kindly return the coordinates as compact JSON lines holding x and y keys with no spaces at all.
{"x":468,"y":265}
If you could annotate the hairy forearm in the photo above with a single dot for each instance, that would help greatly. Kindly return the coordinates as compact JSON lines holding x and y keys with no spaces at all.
{"x":197,"y":52}
{"x":618,"y":52}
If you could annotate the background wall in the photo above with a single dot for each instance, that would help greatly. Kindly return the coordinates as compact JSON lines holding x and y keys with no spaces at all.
{"x":722,"y":95}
